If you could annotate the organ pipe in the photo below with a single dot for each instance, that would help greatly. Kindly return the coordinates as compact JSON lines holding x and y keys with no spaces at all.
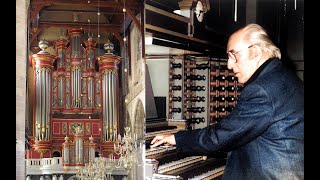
{"x":108,"y":68}
{"x":42,"y":66}
{"x":105,"y":104}
{"x":65,"y":151}
{"x":79,"y":146}
{"x":60,"y":45}
{"x":114,"y":98}
{"x":91,"y":149}
{"x":90,"y":46}
{"x":76,"y":68}
{"x":110,"y":100}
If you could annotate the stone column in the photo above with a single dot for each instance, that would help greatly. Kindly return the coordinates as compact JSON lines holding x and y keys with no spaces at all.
{"x":21,"y":56}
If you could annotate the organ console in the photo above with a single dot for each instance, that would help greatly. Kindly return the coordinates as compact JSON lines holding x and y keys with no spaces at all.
{"x":178,"y":98}
{"x":218,"y":88}
{"x":219,"y":78}
{"x":176,"y":76}
{"x":199,"y":66}
{"x":196,"y":109}
{"x":175,"y":65}
{"x":170,"y":164}
{"x":196,"y":88}
{"x":196,"y":120}
{"x":195,"y":77}
{"x":175,"y":110}
{"x":176,"y":88}
{"x":196,"y":99}
{"x":207,"y":93}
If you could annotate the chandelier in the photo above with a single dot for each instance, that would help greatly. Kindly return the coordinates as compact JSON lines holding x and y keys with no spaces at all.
{"x":100,"y":169}
{"x":127,"y":148}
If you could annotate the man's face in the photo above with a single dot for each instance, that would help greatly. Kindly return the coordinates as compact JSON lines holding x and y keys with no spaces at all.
{"x":239,"y":60}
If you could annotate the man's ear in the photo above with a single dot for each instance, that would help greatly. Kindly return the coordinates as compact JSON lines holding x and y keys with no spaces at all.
{"x":256,"y":51}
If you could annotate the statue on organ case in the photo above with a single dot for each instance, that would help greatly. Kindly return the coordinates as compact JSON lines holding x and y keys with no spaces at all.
{"x":78,"y":130}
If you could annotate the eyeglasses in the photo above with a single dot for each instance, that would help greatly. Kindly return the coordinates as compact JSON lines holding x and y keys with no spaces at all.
{"x":232,"y":55}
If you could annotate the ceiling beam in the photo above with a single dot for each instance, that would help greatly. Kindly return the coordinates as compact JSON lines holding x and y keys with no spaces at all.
{"x":34,"y":50}
{"x":35,"y":33}
{"x":80,"y":11}
{"x":69,"y":25}
{"x":119,"y":38}
{"x":134,"y":19}
{"x":35,"y":9}
{"x":37,"y":5}
{"x":109,"y":3}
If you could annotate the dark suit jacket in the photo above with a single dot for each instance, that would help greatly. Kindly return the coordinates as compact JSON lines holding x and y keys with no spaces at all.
{"x":264,"y":134}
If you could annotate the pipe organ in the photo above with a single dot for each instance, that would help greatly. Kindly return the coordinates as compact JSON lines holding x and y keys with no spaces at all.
{"x":201,"y":91}
{"x":77,"y":87}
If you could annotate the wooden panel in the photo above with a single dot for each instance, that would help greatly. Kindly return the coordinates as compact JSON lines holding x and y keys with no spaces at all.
{"x":56,"y":127}
{"x":95,"y":129}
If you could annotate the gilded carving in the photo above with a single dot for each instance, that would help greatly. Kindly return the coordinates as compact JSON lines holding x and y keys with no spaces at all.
{"x":88,"y":132}
{"x":64,"y":128}
{"x":41,"y":151}
{"x":73,"y":127}
{"x":113,"y":71}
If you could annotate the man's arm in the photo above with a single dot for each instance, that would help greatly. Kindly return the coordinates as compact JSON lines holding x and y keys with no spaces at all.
{"x":248,"y":120}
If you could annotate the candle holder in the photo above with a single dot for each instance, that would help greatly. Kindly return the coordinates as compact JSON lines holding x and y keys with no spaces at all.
{"x":128,"y":148}
{"x":99,"y":169}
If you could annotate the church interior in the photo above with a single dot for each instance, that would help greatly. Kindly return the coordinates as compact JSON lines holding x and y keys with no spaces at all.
{"x":100,"y":79}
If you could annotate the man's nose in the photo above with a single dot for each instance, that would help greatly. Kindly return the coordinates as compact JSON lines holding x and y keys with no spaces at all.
{"x":230,"y":64}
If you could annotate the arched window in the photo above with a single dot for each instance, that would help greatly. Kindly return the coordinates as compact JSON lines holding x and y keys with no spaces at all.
{"x":96,"y":154}
{"x":56,"y":154}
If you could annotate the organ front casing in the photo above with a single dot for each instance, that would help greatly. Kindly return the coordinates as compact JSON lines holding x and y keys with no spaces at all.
{"x":108,"y":68}
{"x":42,"y":63}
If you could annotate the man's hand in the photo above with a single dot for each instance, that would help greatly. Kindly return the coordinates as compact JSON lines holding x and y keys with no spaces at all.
{"x":167,"y":139}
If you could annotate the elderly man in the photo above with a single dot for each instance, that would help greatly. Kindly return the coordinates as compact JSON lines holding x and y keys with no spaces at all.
{"x":264,"y":134}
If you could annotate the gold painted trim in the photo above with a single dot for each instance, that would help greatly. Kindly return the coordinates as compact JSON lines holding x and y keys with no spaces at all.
{"x":106,"y":59}
{"x":113,"y":71}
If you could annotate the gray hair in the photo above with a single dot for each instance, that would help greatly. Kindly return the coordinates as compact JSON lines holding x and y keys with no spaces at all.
{"x":255,"y":34}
